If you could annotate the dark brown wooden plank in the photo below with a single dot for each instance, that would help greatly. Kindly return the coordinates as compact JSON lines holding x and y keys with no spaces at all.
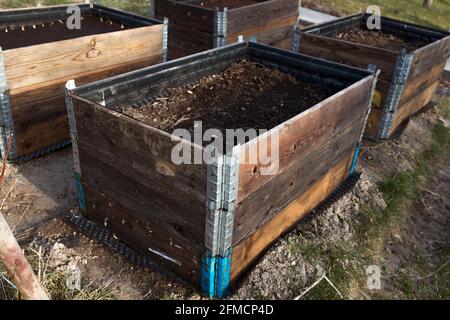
{"x":144,"y":234}
{"x":429,"y":56}
{"x":277,"y":33}
{"x":245,"y":18}
{"x":185,"y":15}
{"x":307,"y":132}
{"x":416,"y":85}
{"x":146,"y":198}
{"x":349,"y":53}
{"x":277,"y":194}
{"x":248,"y":250}
{"x":147,"y":149}
{"x":189,"y":40}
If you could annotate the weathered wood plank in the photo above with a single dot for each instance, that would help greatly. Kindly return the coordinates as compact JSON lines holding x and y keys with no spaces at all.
{"x":305,"y":133}
{"x":373,"y":123}
{"x":40,"y":116}
{"x":275,"y":195}
{"x":349,"y":53}
{"x":144,"y":234}
{"x":146,"y":149}
{"x":248,"y":250}
{"x":413,"y":106}
{"x":185,"y":15}
{"x":36,"y":94}
{"x":147,"y":198}
{"x":34,"y":67}
{"x":416,"y":85}
{"x":257,"y":15}
{"x":277,"y":33}
{"x":429,"y":56}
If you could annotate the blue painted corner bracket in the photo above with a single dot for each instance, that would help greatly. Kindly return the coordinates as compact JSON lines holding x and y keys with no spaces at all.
{"x":215,"y":275}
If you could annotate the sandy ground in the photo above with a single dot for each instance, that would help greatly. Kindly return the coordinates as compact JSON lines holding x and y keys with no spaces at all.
{"x":36,"y":195}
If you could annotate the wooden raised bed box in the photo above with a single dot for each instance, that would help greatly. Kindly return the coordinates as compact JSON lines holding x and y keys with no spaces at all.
{"x":209,"y":222}
{"x":200,"y":25}
{"x":39,"y":54}
{"x":411,"y":63}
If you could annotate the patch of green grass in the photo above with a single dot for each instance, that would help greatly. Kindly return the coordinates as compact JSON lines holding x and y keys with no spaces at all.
{"x":406,"y":10}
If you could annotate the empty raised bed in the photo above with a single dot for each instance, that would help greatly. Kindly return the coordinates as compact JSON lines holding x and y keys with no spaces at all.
{"x":39,"y":53}
{"x":411,"y":58}
{"x":199,"y":25}
{"x":208,"y":222}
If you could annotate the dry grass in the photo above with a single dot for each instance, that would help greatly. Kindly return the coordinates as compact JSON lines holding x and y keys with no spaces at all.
{"x":54,"y":281}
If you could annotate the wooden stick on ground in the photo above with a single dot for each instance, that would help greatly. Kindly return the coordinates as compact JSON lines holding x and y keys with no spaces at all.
{"x":17,"y":265}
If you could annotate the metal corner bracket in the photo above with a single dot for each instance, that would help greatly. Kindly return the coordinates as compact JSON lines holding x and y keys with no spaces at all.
{"x":220,"y":27}
{"x":401,"y":73}
{"x":222,"y":192}
{"x":70,"y":85}
{"x":6,"y":121}
{"x":376,"y":72}
{"x":165,"y":39}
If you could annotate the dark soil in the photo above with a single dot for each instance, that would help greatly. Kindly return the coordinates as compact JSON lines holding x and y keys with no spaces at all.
{"x":380,"y":39}
{"x":246,"y":95}
{"x":55,"y":31}
{"x":231,"y":4}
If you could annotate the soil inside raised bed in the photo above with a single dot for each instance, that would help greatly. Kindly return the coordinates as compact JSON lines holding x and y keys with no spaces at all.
{"x":246,"y":95}
{"x":52,"y":31}
{"x":380,"y":39}
{"x":231,"y":4}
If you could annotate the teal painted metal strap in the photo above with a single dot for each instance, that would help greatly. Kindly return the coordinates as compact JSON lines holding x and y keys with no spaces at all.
{"x":215,"y":275}
{"x":223,"y":275}
{"x":80,"y":192}
{"x":208,"y":275}
{"x":355,"y":159}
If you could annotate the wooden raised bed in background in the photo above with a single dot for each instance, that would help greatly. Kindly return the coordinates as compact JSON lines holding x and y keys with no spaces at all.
{"x":33,"y":69}
{"x":407,"y":81}
{"x":196,"y":26}
{"x":171,"y":212}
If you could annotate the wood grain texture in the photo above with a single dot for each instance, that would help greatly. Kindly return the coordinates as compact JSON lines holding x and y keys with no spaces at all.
{"x":52,"y":63}
{"x":418,"y":84}
{"x":143,"y":233}
{"x":269,"y":200}
{"x":429,"y":56}
{"x":147,"y":150}
{"x":40,"y":116}
{"x":153,"y":203}
{"x":349,"y":53}
{"x":248,"y":250}
{"x":305,"y":133}
{"x":413,"y":105}
{"x":185,"y":15}
{"x":36,"y":75}
{"x":258,"y":15}
{"x":277,"y":33}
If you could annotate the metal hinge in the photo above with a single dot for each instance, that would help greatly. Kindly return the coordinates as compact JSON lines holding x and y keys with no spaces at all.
{"x":165,"y":39}
{"x":401,"y":73}
{"x":6,"y":121}
{"x":222,"y":191}
{"x":221,"y":27}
